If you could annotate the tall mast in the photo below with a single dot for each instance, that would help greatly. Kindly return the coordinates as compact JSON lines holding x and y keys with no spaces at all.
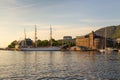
{"x":50,"y":35}
{"x":25,"y":38}
{"x":35,"y":36}
{"x":105,"y":38}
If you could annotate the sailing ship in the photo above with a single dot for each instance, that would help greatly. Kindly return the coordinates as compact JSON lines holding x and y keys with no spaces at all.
{"x":50,"y":48}
{"x":106,"y":50}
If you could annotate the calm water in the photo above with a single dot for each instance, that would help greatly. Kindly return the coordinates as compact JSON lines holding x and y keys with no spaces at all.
{"x":59,"y":65}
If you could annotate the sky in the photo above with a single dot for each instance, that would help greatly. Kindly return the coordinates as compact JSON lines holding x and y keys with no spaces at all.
{"x":67,"y":18}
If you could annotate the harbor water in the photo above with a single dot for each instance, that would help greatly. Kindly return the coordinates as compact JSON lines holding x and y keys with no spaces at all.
{"x":59,"y":65}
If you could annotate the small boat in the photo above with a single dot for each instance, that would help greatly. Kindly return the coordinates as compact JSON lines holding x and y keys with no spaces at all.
{"x":106,"y":50}
{"x":102,"y":50}
{"x":109,"y":50}
{"x":119,"y":50}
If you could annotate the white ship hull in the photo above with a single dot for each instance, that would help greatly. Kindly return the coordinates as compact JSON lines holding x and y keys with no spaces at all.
{"x":106,"y":50}
{"x":119,"y":51}
{"x":41,"y":49}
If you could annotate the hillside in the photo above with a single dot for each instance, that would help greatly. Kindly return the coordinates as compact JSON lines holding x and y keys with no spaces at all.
{"x":111,"y":31}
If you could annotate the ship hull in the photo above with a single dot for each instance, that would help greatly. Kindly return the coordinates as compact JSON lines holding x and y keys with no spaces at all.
{"x":41,"y":49}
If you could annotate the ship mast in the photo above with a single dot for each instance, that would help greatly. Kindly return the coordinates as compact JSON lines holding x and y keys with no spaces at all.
{"x":25,"y":38}
{"x":50,"y":36}
{"x":105,"y":38}
{"x":35,"y":36}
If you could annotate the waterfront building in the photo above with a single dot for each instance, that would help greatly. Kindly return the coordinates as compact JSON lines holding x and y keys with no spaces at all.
{"x":92,"y":41}
{"x":67,"y":37}
{"x":69,"y":41}
{"x":26,"y":43}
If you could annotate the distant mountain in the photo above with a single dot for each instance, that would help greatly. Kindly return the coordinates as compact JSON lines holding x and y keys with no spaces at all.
{"x":111,"y":32}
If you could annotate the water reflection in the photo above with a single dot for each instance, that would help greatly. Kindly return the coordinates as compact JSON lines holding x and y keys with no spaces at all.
{"x":59,"y":65}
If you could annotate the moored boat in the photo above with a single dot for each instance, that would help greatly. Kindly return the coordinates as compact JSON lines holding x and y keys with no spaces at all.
{"x":108,"y":50}
{"x":50,"y":48}
{"x":119,"y":50}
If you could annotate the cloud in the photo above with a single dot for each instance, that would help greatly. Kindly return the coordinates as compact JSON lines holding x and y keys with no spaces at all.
{"x":7,"y":1}
{"x":6,"y":4}
{"x":99,"y":20}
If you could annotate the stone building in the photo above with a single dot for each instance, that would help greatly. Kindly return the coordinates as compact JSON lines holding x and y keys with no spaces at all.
{"x":92,"y":41}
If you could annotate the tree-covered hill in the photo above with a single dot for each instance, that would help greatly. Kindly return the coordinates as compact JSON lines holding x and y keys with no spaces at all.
{"x":111,"y":31}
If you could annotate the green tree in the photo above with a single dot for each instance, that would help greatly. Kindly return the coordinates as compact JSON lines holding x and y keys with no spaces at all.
{"x":12,"y":45}
{"x":44,"y":43}
{"x":39,"y":43}
{"x":59,"y":42}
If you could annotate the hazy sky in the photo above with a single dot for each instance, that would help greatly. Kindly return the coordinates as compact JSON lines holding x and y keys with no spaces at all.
{"x":67,"y":17}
